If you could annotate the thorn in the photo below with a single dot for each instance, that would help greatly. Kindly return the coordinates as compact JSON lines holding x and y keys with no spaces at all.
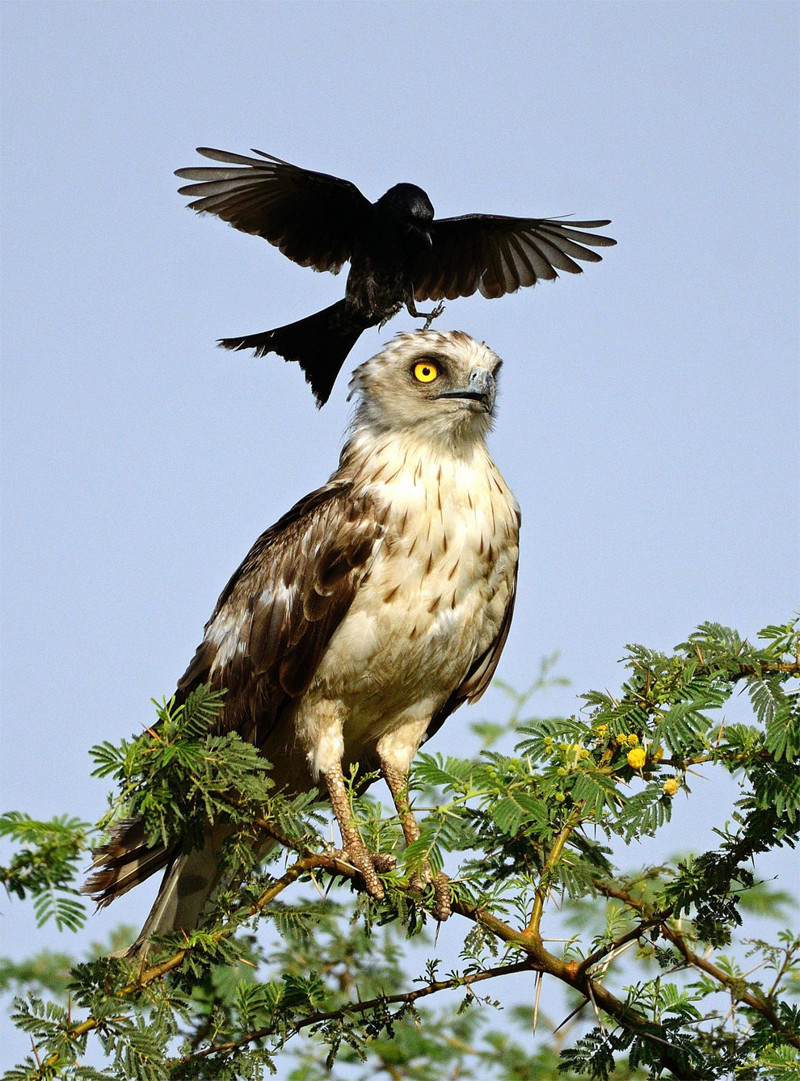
{"x":536,"y":1001}
{"x":594,"y":1007}
{"x":317,"y":886}
{"x":569,"y":1016}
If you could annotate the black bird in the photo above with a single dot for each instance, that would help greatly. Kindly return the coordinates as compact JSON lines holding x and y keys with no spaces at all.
{"x":398,"y":252}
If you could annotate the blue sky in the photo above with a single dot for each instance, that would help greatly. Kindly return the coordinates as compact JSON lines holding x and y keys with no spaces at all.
{"x":648,"y":422}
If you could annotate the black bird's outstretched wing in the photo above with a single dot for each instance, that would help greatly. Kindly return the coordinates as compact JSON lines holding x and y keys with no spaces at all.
{"x":313,"y":218}
{"x":498,"y":255}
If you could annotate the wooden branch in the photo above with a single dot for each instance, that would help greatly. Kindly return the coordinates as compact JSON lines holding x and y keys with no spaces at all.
{"x":537,"y":957}
{"x":737,"y":987}
{"x":630,"y":936}
{"x":404,"y":999}
{"x":732,"y":984}
{"x":553,"y":857}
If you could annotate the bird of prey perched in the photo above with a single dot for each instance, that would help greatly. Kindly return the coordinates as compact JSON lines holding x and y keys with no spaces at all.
{"x":364,"y":617}
{"x":398,"y":252}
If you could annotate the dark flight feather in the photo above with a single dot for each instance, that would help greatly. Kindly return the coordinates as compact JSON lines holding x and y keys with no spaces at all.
{"x":311,"y":217}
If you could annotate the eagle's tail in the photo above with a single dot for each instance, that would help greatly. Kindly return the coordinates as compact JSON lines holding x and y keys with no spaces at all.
{"x":319,"y":343}
{"x":190,"y":882}
{"x":125,"y":861}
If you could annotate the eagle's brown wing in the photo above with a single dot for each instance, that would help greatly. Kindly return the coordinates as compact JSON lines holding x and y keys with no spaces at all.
{"x":313,"y":218}
{"x":276,"y":615}
{"x":498,"y":255}
{"x":262,"y":644}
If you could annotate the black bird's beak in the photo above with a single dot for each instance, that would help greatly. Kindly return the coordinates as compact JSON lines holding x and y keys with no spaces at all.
{"x":481,"y":389}
{"x":423,"y":235}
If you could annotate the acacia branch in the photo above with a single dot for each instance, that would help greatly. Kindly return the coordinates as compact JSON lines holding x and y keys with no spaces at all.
{"x":623,"y":940}
{"x":553,"y":857}
{"x":148,"y":975}
{"x":404,"y":999}
{"x":570,"y":973}
{"x":537,"y":958}
{"x":739,"y":989}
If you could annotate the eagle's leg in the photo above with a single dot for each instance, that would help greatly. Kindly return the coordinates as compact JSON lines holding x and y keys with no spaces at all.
{"x":427,"y":316}
{"x":355,"y":851}
{"x":398,"y":786}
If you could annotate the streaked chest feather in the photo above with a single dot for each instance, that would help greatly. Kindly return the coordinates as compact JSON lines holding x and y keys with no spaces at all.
{"x":435,"y":595}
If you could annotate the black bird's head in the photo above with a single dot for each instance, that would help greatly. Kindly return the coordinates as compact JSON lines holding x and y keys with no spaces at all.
{"x":408,"y":204}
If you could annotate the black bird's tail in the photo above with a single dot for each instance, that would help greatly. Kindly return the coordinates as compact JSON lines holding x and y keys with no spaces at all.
{"x":319,"y":343}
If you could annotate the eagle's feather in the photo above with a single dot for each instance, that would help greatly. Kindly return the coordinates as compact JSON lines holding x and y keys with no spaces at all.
{"x":374,"y":608}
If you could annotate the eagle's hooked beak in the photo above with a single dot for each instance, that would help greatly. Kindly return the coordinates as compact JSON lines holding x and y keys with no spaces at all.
{"x":481,"y":389}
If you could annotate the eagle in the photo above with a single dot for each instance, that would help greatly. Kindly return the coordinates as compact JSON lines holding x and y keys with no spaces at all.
{"x":398,"y":251}
{"x":363,"y":618}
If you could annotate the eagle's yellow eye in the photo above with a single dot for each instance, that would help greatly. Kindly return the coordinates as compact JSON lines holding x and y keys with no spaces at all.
{"x":426,"y":371}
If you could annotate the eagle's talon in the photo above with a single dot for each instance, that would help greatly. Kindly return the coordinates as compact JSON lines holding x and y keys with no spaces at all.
{"x":442,"y":904}
{"x":359,"y":856}
{"x":442,"y":899}
{"x":383,"y":861}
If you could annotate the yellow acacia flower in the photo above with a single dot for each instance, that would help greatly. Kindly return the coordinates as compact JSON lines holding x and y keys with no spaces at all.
{"x":637,"y":757}
{"x":633,"y":739}
{"x":671,"y":786}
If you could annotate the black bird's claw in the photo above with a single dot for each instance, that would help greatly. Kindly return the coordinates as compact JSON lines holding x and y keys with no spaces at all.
{"x":427,"y":316}
{"x":430,"y":316}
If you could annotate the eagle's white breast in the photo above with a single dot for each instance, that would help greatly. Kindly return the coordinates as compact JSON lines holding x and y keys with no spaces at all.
{"x":431,"y":602}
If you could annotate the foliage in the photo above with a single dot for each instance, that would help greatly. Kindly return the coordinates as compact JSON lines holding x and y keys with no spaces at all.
{"x":46,"y":865}
{"x":658,"y":981}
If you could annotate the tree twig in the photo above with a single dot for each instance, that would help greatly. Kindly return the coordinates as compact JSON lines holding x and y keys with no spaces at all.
{"x":407,"y":998}
{"x":737,"y":986}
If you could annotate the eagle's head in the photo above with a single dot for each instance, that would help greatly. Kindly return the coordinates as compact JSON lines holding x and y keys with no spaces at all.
{"x":441,"y":386}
